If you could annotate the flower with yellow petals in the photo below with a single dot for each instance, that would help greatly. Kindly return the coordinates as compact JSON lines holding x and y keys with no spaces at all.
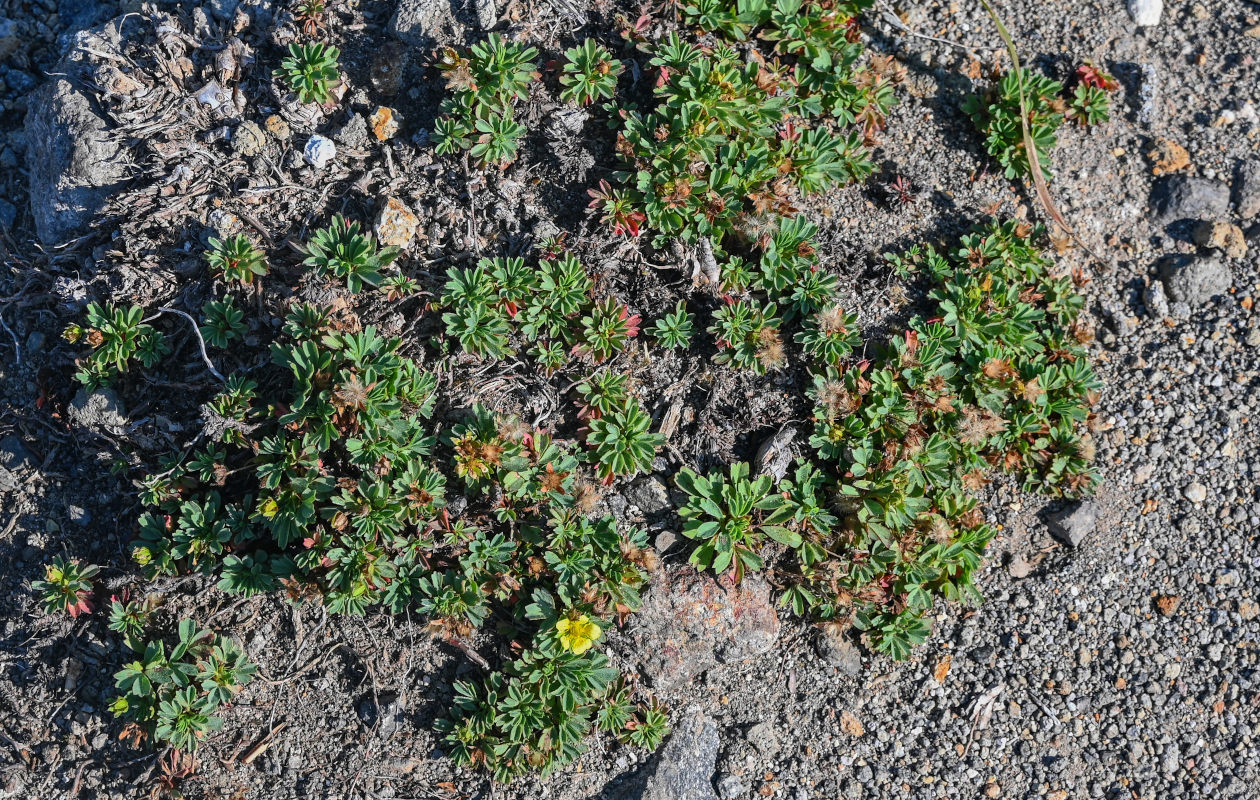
{"x":577,"y":635}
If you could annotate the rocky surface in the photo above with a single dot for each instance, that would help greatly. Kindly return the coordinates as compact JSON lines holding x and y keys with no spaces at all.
{"x":1121,"y":667}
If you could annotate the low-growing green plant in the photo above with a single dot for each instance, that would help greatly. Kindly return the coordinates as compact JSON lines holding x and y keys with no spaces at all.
{"x":311,"y":71}
{"x":674,"y":330}
{"x":130,"y":618}
{"x":484,"y":85}
{"x":535,"y":716}
{"x":173,"y":696}
{"x":341,"y":251}
{"x":831,"y":335}
{"x":621,"y":442}
{"x":589,"y":73}
{"x":116,"y":336}
{"x":748,"y":336}
{"x":607,"y":329}
{"x":602,"y":393}
{"x":726,"y":515}
{"x":733,"y":139}
{"x":997,"y":114}
{"x":236,"y":259}
{"x":66,"y":587}
{"x":223,"y":322}
{"x":1090,"y":104}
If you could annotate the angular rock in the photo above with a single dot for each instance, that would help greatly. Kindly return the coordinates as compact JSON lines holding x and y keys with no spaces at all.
{"x":319,"y":151}
{"x":75,"y":162}
{"x":690,"y":623}
{"x":395,"y":225}
{"x":1155,"y":300}
{"x":1194,"y":281}
{"x":1072,"y":524}
{"x":683,"y":769}
{"x":649,"y":494}
{"x":775,"y":455}
{"x":487,"y":15}
{"x":384,"y":122}
{"x":1168,"y":156}
{"x":14,"y":458}
{"x":1178,"y":197}
{"x":1146,"y":13}
{"x":1247,"y":189}
{"x":248,"y":139}
{"x":99,"y":411}
{"x":1221,"y":236}
{"x":835,"y":647}
{"x":11,"y":37}
{"x":354,"y":133}
{"x":415,"y":21}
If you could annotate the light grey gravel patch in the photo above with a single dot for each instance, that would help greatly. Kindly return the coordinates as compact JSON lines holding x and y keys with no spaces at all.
{"x":1194,"y":280}
{"x":416,"y":21}
{"x":1072,"y":524}
{"x":99,"y":411}
{"x":1178,"y":197}
{"x":683,"y":768}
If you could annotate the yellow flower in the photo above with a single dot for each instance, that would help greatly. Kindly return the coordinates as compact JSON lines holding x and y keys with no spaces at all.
{"x":577,"y":635}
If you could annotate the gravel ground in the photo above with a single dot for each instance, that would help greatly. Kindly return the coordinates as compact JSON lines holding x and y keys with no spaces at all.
{"x":1121,"y":667}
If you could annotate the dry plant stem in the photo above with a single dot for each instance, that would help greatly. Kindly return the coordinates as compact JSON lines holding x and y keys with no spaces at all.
{"x":17,"y":348}
{"x":1030,"y":147}
{"x":201,"y":343}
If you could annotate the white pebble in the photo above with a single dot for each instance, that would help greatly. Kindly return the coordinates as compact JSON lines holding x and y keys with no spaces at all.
{"x":1146,"y":13}
{"x":319,"y":151}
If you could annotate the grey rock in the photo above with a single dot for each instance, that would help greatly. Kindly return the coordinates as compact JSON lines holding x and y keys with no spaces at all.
{"x":79,"y":515}
{"x":835,"y":647}
{"x":1247,"y":189}
{"x":385,"y":710}
{"x":415,"y":21}
{"x":1155,"y":300}
{"x":75,"y":162}
{"x":248,"y":139}
{"x":98,"y":411}
{"x":775,"y":455}
{"x":683,"y":769}
{"x":14,"y":457}
{"x":224,"y":10}
{"x":1193,"y":280}
{"x":730,"y":787}
{"x":1117,"y":318}
{"x":487,"y":15}
{"x":690,"y":623}
{"x":354,"y":133}
{"x":1178,"y":197}
{"x":1146,"y":13}
{"x":649,"y":494}
{"x":765,"y":738}
{"x":1072,"y":524}
{"x":11,"y":37}
{"x":1195,"y":492}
